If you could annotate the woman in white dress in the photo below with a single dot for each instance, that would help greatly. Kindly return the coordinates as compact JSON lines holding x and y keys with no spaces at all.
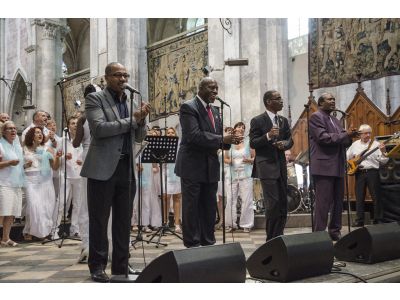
{"x":40,"y":195}
{"x":172,"y":189}
{"x":241,"y":158}
{"x":150,"y":203}
{"x":11,"y":180}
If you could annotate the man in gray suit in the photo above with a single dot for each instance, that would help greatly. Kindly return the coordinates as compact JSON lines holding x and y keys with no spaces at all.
{"x":327,"y":150}
{"x":107,"y":168}
{"x":270,"y":136}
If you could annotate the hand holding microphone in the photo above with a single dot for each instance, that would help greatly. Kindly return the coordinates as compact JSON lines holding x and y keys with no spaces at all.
{"x":273,"y":133}
{"x":141,"y":114}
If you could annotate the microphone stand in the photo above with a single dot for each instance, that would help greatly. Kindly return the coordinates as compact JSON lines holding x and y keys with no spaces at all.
{"x":346,"y":176}
{"x":310,"y":188}
{"x":223,"y":174}
{"x":64,"y":235}
{"x":127,"y":278}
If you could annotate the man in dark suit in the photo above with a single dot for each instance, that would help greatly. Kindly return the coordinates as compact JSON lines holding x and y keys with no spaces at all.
{"x":107,"y":168}
{"x":328,"y":141}
{"x":197,"y":164}
{"x":270,"y":136}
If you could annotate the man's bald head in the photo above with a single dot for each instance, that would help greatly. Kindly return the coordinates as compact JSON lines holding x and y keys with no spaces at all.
{"x":208,"y":89}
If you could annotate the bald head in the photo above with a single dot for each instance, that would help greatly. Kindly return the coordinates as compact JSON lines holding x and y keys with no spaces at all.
{"x":208,"y":89}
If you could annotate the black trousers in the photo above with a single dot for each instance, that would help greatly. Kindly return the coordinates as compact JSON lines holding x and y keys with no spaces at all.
{"x":199,"y":209}
{"x":102,"y":196}
{"x":275,"y":200}
{"x":368,"y":178}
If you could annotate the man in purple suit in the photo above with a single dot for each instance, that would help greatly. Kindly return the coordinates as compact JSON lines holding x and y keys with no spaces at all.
{"x":328,"y":141}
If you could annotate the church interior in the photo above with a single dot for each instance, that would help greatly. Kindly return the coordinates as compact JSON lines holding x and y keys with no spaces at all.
{"x":46,"y":64}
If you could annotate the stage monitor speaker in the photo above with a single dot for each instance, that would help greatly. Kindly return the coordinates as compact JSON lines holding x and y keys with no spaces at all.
{"x":209,"y":264}
{"x":390,"y":172}
{"x":390,"y":202}
{"x":292,"y":257}
{"x":370,"y":244}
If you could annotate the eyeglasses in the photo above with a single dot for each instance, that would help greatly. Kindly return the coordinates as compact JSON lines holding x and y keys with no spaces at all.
{"x":10,"y":129}
{"x":276,"y":99}
{"x":119,"y":75}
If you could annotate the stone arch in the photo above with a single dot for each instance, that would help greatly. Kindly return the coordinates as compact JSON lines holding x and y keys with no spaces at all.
{"x":161,"y":29}
{"x":76,"y":54}
{"x":20,"y":92}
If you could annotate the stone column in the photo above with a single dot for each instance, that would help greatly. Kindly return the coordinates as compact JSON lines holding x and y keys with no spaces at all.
{"x":121,"y":40}
{"x":49,"y":35}
{"x":3,"y":105}
{"x":264,"y":43}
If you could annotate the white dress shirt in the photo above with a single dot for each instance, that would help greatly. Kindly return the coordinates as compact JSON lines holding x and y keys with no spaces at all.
{"x":373,"y":160}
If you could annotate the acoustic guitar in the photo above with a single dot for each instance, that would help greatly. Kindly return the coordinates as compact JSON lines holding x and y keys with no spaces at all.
{"x":354,"y":163}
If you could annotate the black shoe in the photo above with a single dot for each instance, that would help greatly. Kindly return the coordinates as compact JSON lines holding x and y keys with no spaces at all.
{"x":357,"y":224}
{"x":99,"y":276}
{"x":335,"y":237}
{"x":132,"y":271}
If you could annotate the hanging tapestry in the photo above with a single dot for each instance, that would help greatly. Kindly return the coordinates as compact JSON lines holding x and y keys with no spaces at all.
{"x":73,"y":89}
{"x":175,"y":70}
{"x":339,"y":49}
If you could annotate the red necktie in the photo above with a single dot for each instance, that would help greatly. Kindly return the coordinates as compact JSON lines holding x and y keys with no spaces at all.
{"x":210,"y":115}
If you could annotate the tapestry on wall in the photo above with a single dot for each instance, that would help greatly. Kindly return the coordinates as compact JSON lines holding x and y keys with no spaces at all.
{"x":175,"y":70}
{"x":73,"y":89}
{"x":339,"y":49}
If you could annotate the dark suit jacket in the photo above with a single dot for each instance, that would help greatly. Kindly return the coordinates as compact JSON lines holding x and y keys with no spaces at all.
{"x":197,"y":158}
{"x":270,"y":162}
{"x":327,"y":145}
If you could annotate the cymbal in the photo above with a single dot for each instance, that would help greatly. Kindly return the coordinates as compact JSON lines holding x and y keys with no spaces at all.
{"x":302,"y":158}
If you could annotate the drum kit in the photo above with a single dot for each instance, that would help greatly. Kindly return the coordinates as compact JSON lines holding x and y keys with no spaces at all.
{"x":298,"y":192}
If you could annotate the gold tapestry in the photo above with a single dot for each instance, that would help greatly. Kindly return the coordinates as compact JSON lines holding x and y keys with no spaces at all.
{"x":175,"y":70}
{"x":73,"y":89}
{"x":339,"y":49}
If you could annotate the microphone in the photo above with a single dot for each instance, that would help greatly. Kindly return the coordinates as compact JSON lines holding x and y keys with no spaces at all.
{"x":130,"y":88}
{"x":62,"y":80}
{"x":341,"y":111}
{"x":222,"y":101}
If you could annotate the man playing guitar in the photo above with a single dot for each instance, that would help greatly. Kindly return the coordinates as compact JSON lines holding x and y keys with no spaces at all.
{"x":367,"y":172}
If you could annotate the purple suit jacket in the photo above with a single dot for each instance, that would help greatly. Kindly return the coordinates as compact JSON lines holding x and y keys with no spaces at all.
{"x":328,"y":143}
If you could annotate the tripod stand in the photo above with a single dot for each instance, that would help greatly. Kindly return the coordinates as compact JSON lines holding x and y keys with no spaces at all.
{"x":161,"y":150}
{"x":139,"y":236}
{"x":64,"y":235}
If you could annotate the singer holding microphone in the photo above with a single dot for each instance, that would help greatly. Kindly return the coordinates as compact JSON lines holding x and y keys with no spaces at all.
{"x":270,"y":136}
{"x":197,"y":163}
{"x":328,"y":141}
{"x":107,"y":166}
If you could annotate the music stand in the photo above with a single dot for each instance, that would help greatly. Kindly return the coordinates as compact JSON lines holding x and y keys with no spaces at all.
{"x":161,"y":150}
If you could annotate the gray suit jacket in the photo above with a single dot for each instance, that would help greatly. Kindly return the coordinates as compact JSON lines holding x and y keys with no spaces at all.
{"x":107,"y":129}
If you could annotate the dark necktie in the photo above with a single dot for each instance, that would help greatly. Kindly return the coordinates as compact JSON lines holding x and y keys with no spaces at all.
{"x":334,"y":125}
{"x":210,"y":115}
{"x":276,"y":121}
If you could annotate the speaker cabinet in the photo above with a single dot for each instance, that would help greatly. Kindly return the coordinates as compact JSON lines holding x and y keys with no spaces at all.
{"x":370,"y":244}
{"x":390,"y":202}
{"x":292,"y":257}
{"x":390,"y":172}
{"x":219,"y":263}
